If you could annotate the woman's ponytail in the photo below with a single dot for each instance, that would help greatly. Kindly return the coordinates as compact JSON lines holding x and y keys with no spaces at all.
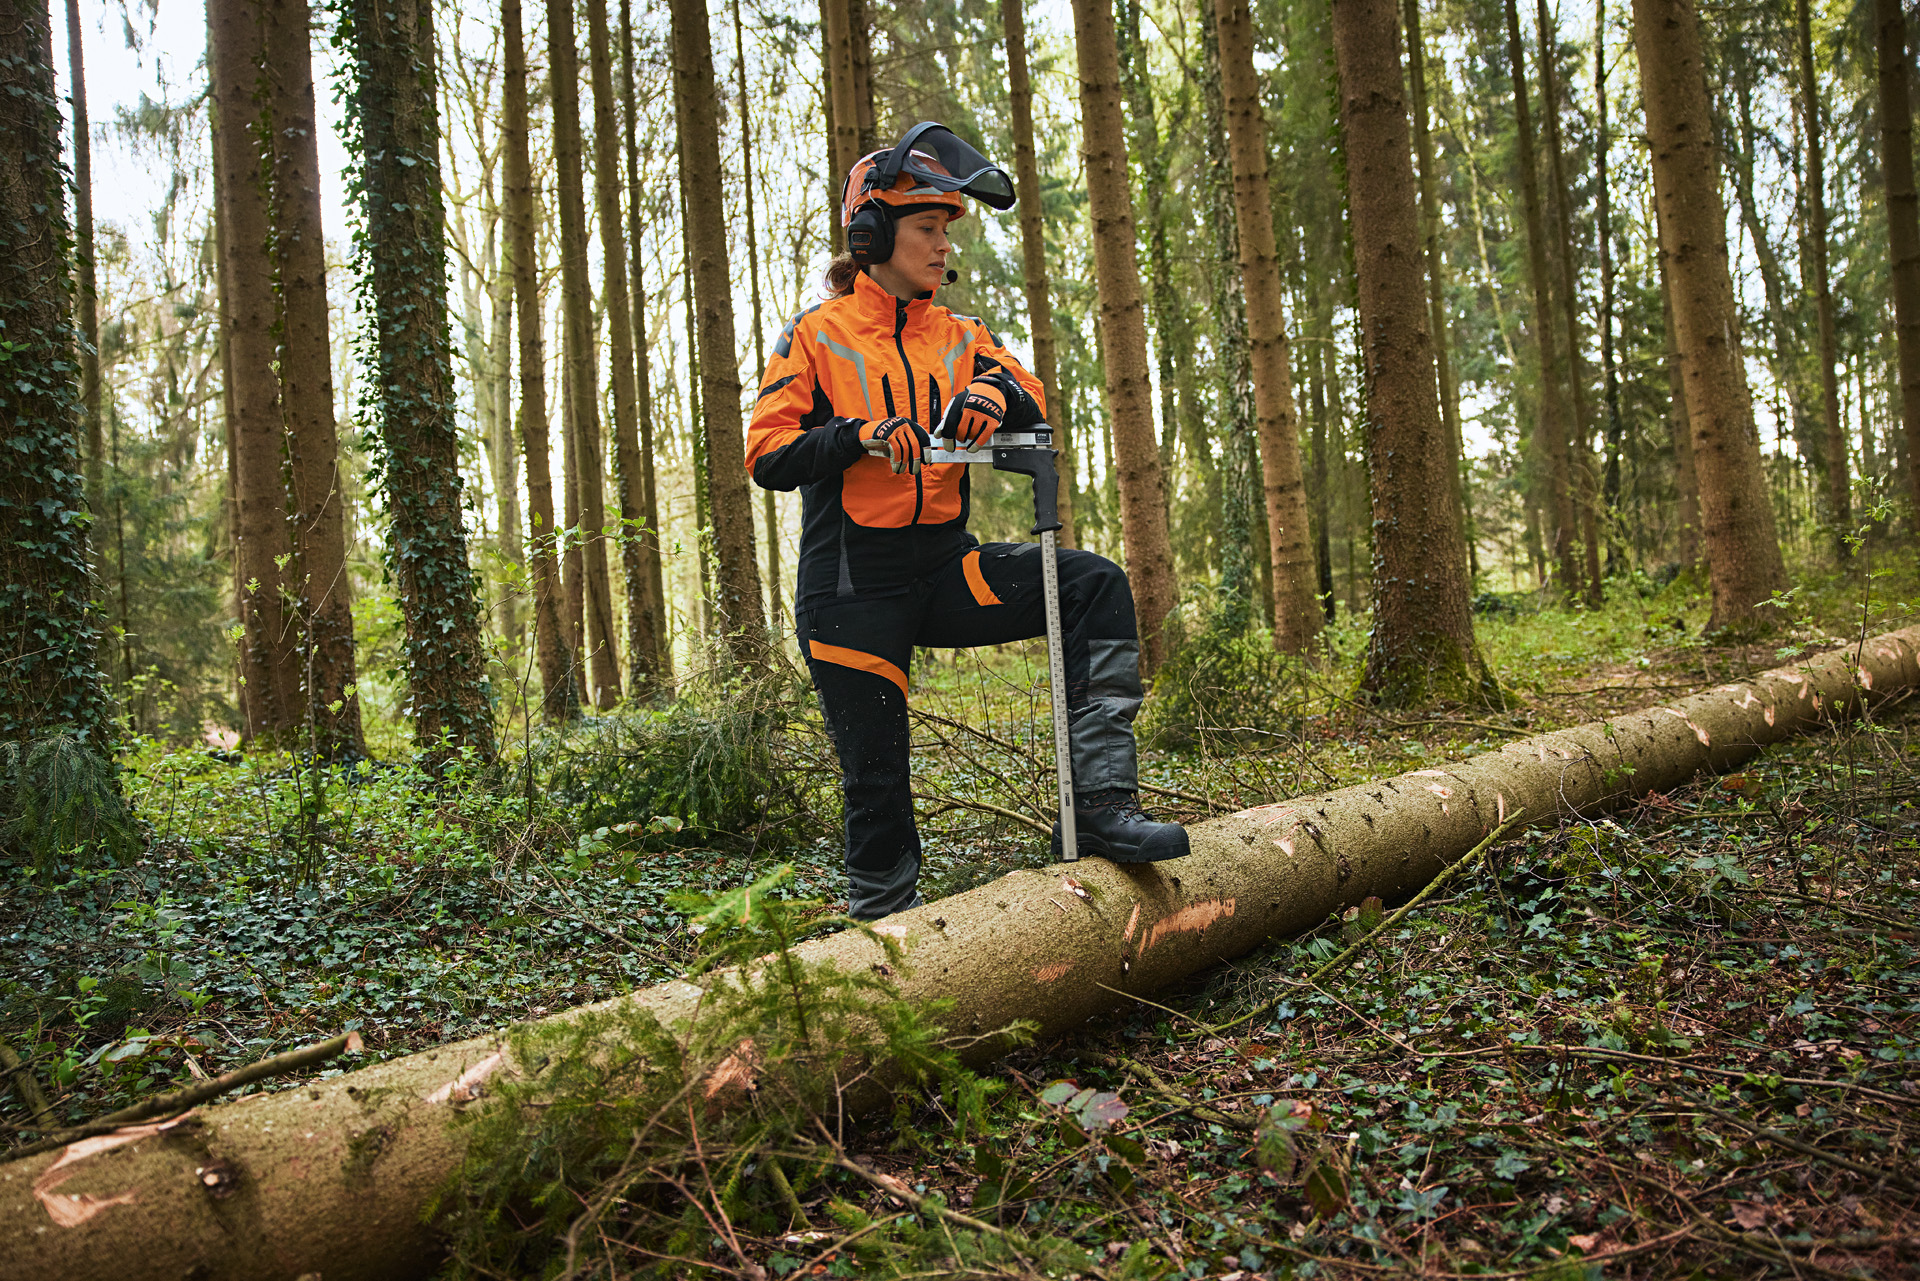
{"x":838,"y":280}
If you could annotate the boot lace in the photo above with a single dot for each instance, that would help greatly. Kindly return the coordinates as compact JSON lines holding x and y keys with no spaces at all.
{"x":1123,"y":803}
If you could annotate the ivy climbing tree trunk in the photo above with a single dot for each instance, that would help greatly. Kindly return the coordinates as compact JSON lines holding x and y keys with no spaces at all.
{"x":1123,"y":330}
{"x":404,"y":280}
{"x":658,"y":671}
{"x":320,"y":587}
{"x":737,"y":585}
{"x":269,"y":661}
{"x":49,"y":629}
{"x":1743,"y":554}
{"x":1903,"y":218}
{"x":560,"y":699}
{"x":1296,"y":614}
{"x":1033,"y":250}
{"x":1421,"y":648}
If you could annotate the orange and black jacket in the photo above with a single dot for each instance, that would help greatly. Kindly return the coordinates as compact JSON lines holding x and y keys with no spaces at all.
{"x":859,"y":358}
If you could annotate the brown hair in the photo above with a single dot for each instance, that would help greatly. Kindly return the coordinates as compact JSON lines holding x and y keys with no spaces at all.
{"x":838,"y":280}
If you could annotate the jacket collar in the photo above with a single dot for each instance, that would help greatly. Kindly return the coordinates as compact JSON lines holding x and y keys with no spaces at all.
{"x":883,"y":306}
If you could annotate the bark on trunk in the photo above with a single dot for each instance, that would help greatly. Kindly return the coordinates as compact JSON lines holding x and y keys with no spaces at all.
{"x":86,"y":288}
{"x":1033,"y":250}
{"x":844,"y":113}
{"x":49,"y":627}
{"x":511,"y":536}
{"x":1123,"y":330}
{"x":629,"y":486}
{"x":559,"y":699}
{"x":269,"y":659}
{"x":1903,"y":218}
{"x":768,"y":507}
{"x":1743,"y":555}
{"x":1681,"y":430}
{"x":1550,"y":422}
{"x":737,"y":589}
{"x":581,"y":369}
{"x":321,"y":588}
{"x":657,"y":676}
{"x":1422,"y":647}
{"x":1839,"y":486}
{"x":1296,"y":614}
{"x":1603,"y":213}
{"x":333,"y":1176}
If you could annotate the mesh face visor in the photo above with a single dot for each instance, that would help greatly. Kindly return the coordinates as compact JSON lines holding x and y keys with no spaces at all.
{"x":956,"y":166}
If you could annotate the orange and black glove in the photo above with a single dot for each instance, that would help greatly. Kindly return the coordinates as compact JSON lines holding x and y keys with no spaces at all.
{"x":975,"y":414}
{"x":900,"y":441}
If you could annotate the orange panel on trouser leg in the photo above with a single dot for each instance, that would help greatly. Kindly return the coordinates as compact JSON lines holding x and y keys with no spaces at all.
{"x":861,"y":662}
{"x":976,"y":581}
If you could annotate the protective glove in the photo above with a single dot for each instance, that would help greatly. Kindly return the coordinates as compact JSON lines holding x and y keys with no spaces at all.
{"x":900,"y":441}
{"x":975,"y":414}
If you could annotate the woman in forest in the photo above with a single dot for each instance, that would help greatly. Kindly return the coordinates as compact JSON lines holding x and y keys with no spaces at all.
{"x":857,"y":386}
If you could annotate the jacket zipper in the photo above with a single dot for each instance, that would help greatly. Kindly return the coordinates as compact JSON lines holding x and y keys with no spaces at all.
{"x":913,"y":407}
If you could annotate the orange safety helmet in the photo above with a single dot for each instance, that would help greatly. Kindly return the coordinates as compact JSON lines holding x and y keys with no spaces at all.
{"x":928,"y":167}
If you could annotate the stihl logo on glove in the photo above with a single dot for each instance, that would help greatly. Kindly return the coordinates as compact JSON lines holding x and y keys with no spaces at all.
{"x":901,"y":441}
{"x":975,"y":416}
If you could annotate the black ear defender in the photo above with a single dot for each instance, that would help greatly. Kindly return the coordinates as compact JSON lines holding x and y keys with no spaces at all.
{"x":870,"y":234}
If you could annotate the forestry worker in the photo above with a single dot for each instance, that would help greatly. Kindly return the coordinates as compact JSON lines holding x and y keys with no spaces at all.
{"x":856,"y":387}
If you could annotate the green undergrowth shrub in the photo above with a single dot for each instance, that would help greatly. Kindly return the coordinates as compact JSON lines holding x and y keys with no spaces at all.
{"x":60,"y":802}
{"x":1225,"y":685}
{"x":731,"y":761}
{"x":644,"y":1149}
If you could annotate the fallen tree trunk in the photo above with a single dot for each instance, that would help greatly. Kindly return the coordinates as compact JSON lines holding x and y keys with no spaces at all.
{"x":332,"y":1177}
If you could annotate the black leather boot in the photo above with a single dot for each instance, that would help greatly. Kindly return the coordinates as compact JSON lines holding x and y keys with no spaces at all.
{"x":1111,"y":825}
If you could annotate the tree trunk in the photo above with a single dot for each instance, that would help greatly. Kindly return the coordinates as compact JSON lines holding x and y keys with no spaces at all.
{"x":1296,"y":614}
{"x":511,"y":535}
{"x":1033,"y":250}
{"x":1550,"y":423}
{"x":573,"y":556}
{"x":1123,"y":330}
{"x":85,"y":293}
{"x":844,"y":113}
{"x":737,"y":602}
{"x":860,"y":26}
{"x":1437,"y":272}
{"x":394,"y":100}
{"x":1610,"y":487}
{"x":1743,"y":556}
{"x":1903,"y":219}
{"x":49,"y":628}
{"x":768,"y":507}
{"x":1685,"y":481}
{"x":630,"y":487}
{"x":339,"y":1173}
{"x":270,"y":695}
{"x":560,"y":699}
{"x":1422,"y":647}
{"x":1839,"y":485}
{"x":580,"y":368}
{"x":321,"y":589}
{"x":657,"y":673}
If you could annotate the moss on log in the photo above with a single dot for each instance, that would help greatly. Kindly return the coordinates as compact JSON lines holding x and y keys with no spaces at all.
{"x":332,"y":1177}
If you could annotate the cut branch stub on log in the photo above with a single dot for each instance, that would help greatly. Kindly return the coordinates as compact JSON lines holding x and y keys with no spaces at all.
{"x":332,"y":1177}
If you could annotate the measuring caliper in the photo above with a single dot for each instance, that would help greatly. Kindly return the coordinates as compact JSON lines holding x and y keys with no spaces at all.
{"x":1032,"y":454}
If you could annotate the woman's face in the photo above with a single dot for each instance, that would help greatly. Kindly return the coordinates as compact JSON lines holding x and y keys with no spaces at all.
{"x":920,"y":249}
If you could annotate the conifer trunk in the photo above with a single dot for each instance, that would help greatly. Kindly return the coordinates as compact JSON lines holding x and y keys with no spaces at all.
{"x":1550,"y":423}
{"x":581,"y":368}
{"x":1123,"y":330}
{"x":843,"y":115}
{"x":658,"y":673}
{"x":49,"y":628}
{"x":737,"y":595}
{"x":767,"y":505}
{"x":1903,"y":219}
{"x":1743,"y":555}
{"x":1422,"y":647}
{"x":269,"y":660}
{"x":510,"y":537}
{"x":1296,"y":614}
{"x":1033,"y":251}
{"x":1165,"y":314}
{"x":559,"y":696}
{"x":321,"y":588}
{"x":1681,"y":430}
{"x":1839,"y":484}
{"x":1603,"y":213}
{"x":86,"y":287}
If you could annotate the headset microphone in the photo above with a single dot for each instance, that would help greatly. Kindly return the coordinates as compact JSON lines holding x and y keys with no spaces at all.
{"x":952,"y":276}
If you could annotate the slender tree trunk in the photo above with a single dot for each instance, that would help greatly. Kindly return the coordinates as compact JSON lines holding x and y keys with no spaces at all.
{"x":85,"y":300}
{"x":573,"y":557}
{"x":843,"y":111}
{"x":1686,"y":482}
{"x":1296,"y":615}
{"x":860,"y":27}
{"x":1437,"y":269}
{"x":657,"y":674}
{"x":269,"y":660}
{"x":320,"y":586}
{"x":1903,"y":218}
{"x":1839,"y":494}
{"x":694,"y":95}
{"x":1610,"y":487}
{"x":559,"y":696}
{"x":49,"y":627}
{"x":506,"y":451}
{"x":626,"y":396}
{"x":1165,"y":313}
{"x":1033,"y":250}
{"x":1743,"y":555}
{"x":1550,"y":425}
{"x":582,"y":391}
{"x":1123,"y":330}
{"x":696,"y":419}
{"x":768,"y":508}
{"x":395,"y":92}
{"x":1422,"y":647}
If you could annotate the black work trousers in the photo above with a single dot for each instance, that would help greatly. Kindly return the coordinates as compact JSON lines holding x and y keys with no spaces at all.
{"x":860,"y":650}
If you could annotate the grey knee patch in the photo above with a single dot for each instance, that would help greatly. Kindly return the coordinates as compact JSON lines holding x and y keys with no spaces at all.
{"x":1102,"y":734}
{"x":1113,"y":675}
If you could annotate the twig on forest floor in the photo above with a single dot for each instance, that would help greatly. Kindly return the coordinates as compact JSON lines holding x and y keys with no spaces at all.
{"x":1792,"y":1144}
{"x":1516,"y":731}
{"x":1167,"y":1094}
{"x":179,"y":1101}
{"x":27,"y":1084}
{"x":1843,"y":908}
